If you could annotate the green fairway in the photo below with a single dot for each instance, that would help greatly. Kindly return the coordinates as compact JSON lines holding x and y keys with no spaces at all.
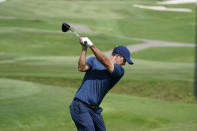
{"x":38,"y":64}
{"x":47,"y":109}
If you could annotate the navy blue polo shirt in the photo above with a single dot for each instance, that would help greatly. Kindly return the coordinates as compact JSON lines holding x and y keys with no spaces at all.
{"x":97,"y":82}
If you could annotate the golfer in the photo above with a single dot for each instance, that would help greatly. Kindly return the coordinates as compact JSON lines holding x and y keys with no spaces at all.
{"x":102,"y":73}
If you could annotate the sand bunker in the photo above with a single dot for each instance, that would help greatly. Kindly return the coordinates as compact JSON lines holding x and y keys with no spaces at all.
{"x":2,"y":1}
{"x":177,"y":2}
{"x":163,"y":8}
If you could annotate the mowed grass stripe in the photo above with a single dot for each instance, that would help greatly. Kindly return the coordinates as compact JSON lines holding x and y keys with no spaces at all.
{"x":167,"y":54}
{"x":36,"y":43}
{"x":64,"y":64}
{"x":39,"y":111}
{"x":162,"y":80}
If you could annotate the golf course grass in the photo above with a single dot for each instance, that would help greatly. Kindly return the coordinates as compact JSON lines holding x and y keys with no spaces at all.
{"x":46,"y":108}
{"x":167,"y":54}
{"x":38,"y":64}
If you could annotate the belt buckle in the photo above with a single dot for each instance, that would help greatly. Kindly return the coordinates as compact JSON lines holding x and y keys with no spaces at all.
{"x":93,"y":107}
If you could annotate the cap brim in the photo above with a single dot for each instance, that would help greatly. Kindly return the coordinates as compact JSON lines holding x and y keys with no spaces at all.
{"x":129,"y":61}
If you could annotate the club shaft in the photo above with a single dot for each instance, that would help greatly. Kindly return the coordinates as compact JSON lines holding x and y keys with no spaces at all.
{"x":75,"y":33}
{"x":85,"y":42}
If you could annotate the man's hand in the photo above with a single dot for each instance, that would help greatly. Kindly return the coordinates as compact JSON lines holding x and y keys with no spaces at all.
{"x":86,"y":41}
{"x":82,"y":44}
{"x":99,"y":55}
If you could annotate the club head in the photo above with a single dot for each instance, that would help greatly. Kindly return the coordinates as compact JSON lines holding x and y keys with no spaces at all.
{"x":65,"y":27}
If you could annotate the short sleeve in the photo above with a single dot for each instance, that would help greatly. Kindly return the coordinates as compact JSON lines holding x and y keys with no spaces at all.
{"x":89,"y":61}
{"x":118,"y":71}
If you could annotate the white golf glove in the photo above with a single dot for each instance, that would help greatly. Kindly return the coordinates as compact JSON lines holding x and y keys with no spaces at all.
{"x":87,"y":41}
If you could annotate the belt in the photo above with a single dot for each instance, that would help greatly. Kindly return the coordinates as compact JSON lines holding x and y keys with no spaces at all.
{"x":92,"y":107}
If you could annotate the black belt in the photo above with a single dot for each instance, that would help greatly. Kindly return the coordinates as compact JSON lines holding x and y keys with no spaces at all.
{"x":92,"y":107}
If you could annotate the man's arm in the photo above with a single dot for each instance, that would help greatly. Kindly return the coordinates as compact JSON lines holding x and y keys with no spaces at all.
{"x":99,"y":55}
{"x":82,"y":65}
{"x":102,"y":58}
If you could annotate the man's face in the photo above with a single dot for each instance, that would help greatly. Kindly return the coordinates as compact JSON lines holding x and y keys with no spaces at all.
{"x":120,"y":60}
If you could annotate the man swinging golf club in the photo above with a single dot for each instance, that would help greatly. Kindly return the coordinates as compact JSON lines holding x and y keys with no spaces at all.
{"x":102,"y":73}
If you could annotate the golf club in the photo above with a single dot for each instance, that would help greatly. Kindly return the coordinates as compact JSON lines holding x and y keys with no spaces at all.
{"x":66,"y":27}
